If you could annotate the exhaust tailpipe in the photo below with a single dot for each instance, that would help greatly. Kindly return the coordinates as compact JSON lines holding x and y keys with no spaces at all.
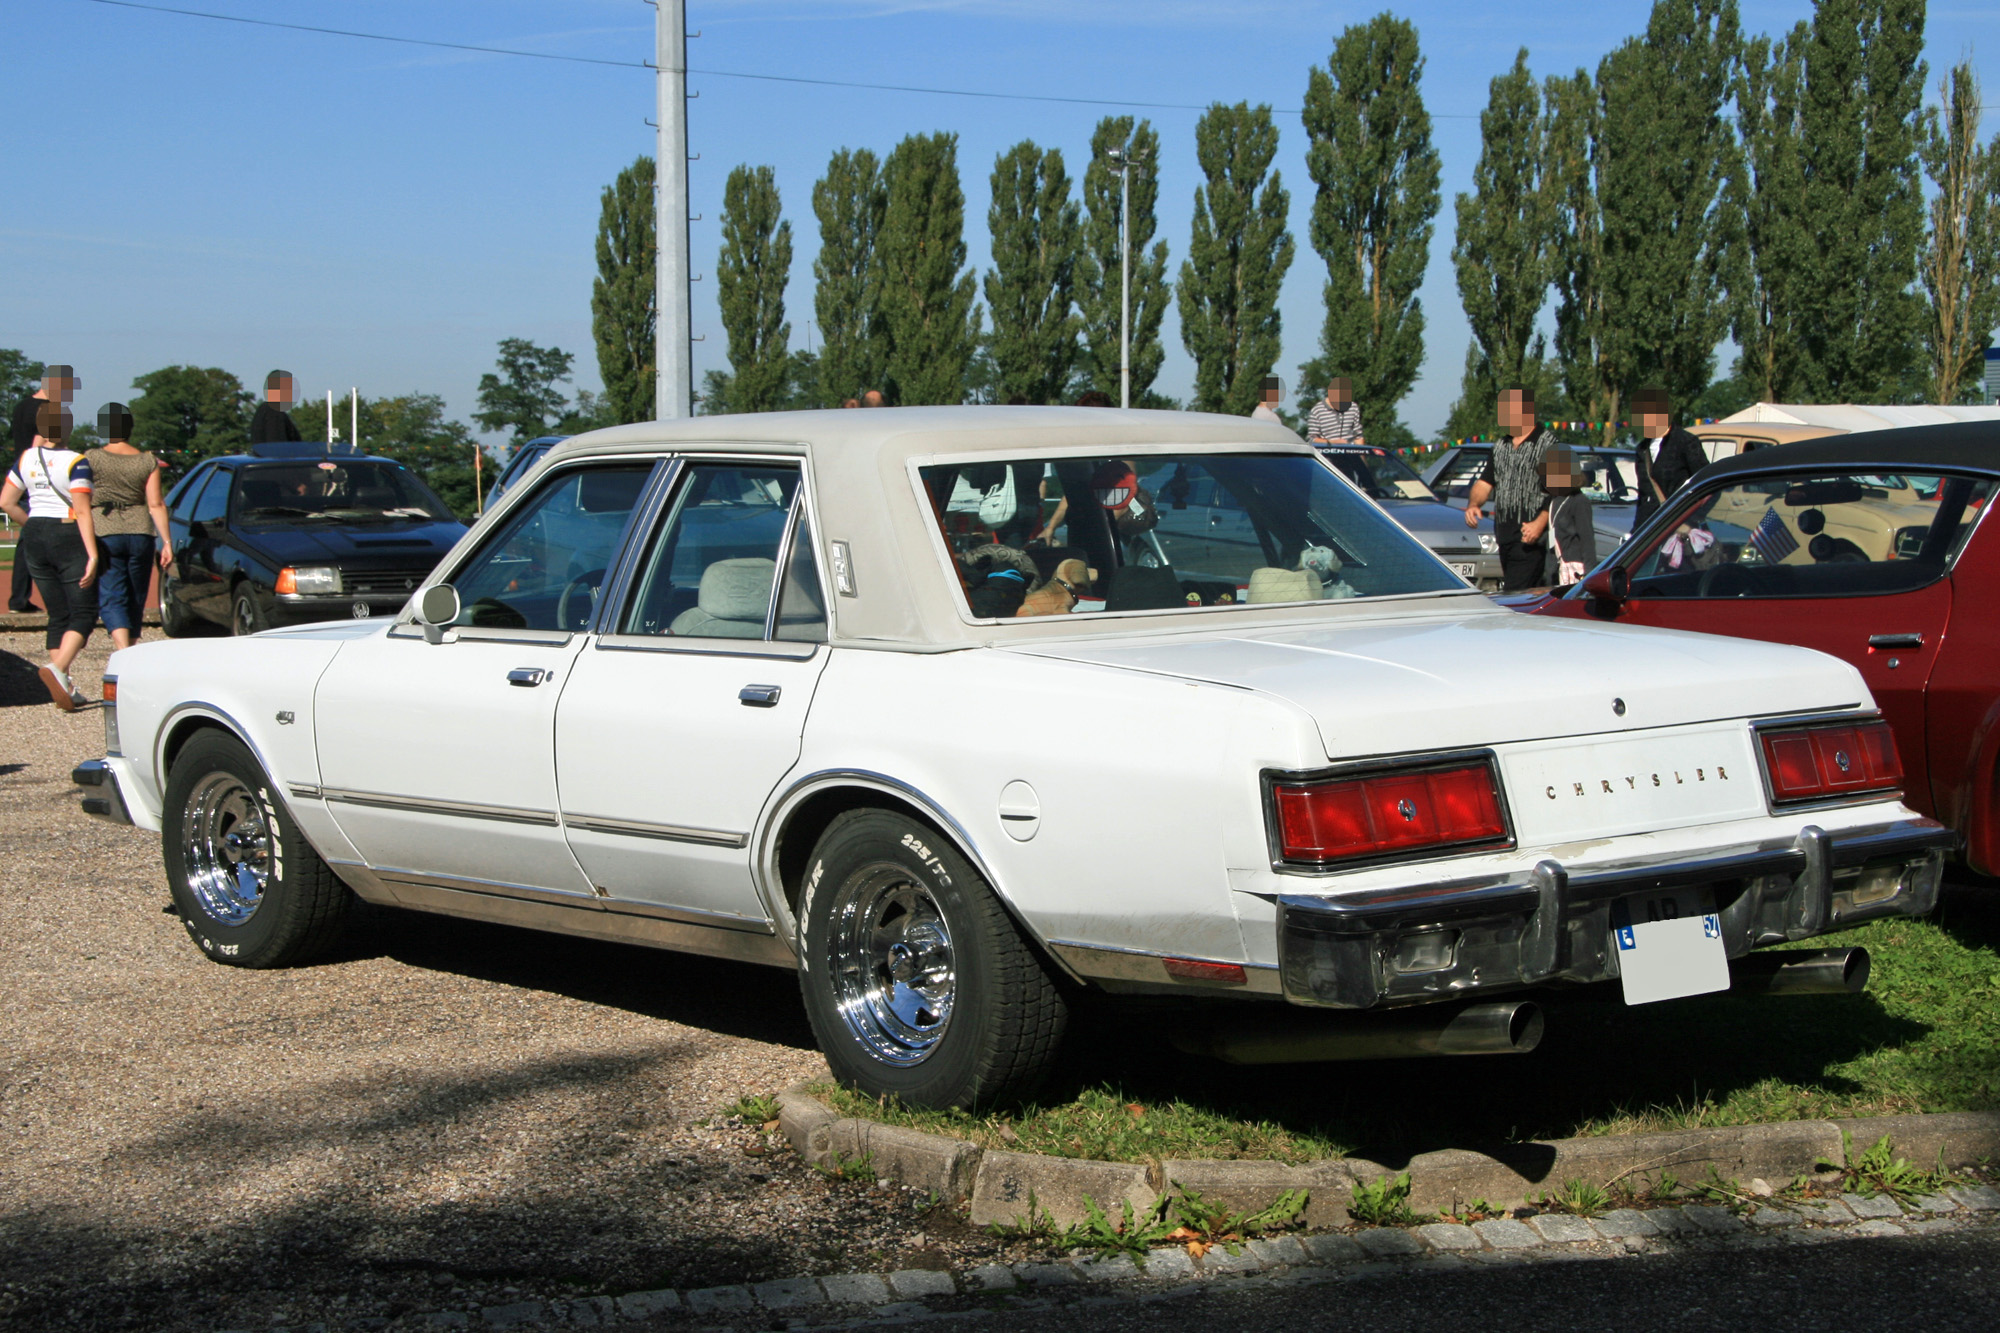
{"x":1512,"y":1027}
{"x":1802,"y":972}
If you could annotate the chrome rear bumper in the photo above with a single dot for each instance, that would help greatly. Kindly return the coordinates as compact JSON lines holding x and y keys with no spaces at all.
{"x":1441,"y":941}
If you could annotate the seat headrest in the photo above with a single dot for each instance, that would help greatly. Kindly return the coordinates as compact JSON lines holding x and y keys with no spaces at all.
{"x":737,"y":589}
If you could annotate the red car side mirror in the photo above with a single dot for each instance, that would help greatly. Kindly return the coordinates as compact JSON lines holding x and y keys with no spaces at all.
{"x":1607,"y":589}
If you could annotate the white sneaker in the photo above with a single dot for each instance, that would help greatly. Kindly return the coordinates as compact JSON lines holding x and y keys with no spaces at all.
{"x":60,"y":689}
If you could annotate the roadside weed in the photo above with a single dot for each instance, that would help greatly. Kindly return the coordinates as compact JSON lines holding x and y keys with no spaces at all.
{"x":757,"y":1109}
{"x":1204,"y":1225}
{"x":1580,"y":1197}
{"x":839,"y":1166}
{"x":1383,"y":1202}
{"x":1132,"y":1234}
{"x":1472,"y":1210}
{"x":1880,"y":1171}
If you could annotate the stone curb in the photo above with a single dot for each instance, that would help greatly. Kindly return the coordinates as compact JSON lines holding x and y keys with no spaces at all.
{"x":999,"y":1184}
{"x":1445,"y":1244}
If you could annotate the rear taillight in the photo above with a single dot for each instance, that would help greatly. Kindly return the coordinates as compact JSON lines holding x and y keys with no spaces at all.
{"x":1833,"y":759}
{"x":1345,"y":819}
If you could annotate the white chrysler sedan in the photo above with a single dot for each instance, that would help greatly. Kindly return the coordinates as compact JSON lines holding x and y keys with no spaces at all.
{"x":962,"y":712}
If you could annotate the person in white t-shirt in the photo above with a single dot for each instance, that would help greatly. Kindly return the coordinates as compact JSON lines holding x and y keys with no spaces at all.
{"x":58,"y":545}
{"x":1267,"y":406}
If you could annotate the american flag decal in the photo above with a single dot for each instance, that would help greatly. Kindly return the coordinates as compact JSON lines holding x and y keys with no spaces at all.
{"x":1773,"y":540}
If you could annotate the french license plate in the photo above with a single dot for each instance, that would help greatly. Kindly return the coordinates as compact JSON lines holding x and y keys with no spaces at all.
{"x":1467,"y":572}
{"x":1669,"y":945}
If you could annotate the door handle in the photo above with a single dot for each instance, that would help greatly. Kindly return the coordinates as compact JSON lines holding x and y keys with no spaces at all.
{"x":759,"y":696}
{"x":528,"y":677}
{"x":1895,"y":641}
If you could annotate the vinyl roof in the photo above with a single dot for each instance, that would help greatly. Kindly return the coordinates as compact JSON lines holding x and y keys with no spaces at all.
{"x":1964,"y":445}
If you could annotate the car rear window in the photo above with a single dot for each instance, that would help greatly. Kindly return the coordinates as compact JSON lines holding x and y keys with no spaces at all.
{"x":1152,"y":532}
{"x":320,"y":489}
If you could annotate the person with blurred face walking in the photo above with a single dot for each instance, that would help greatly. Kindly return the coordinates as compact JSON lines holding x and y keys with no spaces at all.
{"x":48,"y":494}
{"x":129,"y":512}
{"x":1513,"y":475}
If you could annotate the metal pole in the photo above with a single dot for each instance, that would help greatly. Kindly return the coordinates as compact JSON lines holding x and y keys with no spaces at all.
{"x":1125,"y":284}
{"x":354,"y":420}
{"x":329,"y":421}
{"x":673,"y":351}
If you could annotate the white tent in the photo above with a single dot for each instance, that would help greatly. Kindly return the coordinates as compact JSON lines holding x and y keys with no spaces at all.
{"x":1855,"y":417}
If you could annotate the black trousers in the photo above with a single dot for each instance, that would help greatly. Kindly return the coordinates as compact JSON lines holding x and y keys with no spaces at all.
{"x":1521,"y":564}
{"x":52,"y":551}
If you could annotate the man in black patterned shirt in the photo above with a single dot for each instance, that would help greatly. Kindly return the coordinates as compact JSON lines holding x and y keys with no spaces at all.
{"x":1513,"y":475}
{"x":1336,"y":419}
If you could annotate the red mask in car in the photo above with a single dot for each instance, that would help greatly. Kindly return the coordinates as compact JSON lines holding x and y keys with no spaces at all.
{"x":1115,"y":486}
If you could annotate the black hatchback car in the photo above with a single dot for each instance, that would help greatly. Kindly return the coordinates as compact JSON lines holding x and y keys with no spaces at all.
{"x":262,"y":541}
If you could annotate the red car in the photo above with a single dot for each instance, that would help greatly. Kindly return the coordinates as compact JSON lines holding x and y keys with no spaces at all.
{"x":1876,"y":548}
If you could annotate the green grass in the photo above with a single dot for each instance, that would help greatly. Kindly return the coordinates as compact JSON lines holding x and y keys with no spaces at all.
{"x":1925,"y":1037}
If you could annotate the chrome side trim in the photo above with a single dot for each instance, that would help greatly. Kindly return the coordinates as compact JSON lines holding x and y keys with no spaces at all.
{"x":505,"y":814}
{"x":205,"y":709}
{"x":693,"y":916}
{"x":1140,"y":968}
{"x":791,"y":650}
{"x":400,"y":876}
{"x":636,"y":828}
{"x":591,"y":922}
{"x":304,"y":791}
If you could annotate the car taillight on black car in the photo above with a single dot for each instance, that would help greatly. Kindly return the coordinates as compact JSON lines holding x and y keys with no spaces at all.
{"x":1819,"y":761}
{"x":1323,"y":822}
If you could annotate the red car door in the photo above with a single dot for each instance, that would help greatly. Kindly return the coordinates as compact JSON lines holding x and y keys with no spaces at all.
{"x":1852,"y":565}
{"x":1963,"y":703}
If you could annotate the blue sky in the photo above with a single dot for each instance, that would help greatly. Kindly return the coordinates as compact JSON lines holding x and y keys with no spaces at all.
{"x":186,"y":190}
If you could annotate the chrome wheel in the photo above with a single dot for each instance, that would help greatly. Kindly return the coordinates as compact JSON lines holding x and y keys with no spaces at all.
{"x":891,"y":965}
{"x":228,"y":841}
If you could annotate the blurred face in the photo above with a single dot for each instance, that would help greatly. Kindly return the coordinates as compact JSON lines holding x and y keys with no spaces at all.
{"x":1653,"y":422}
{"x":1517,"y":413}
{"x":1560,"y":472}
{"x":279,"y":391}
{"x":59,"y":384}
{"x":1340,"y":392}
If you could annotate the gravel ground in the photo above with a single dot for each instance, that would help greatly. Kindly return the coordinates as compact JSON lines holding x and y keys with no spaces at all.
{"x":447,"y":1114}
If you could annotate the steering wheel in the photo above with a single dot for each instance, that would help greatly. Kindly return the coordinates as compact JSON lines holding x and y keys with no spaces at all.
{"x":1712,"y":578}
{"x":589,"y":585}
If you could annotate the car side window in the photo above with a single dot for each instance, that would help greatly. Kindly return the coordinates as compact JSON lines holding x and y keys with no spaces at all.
{"x":714,"y":562}
{"x":801,"y":609}
{"x":214,"y":501}
{"x":1812,"y":535}
{"x":545,"y":568}
{"x":183,"y":506}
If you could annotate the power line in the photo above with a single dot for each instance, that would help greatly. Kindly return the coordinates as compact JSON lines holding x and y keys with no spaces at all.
{"x":707,"y":73}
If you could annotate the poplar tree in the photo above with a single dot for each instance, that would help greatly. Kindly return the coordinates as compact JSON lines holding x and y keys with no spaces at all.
{"x":624,"y":298}
{"x":1504,"y":239}
{"x":1768,"y":275}
{"x":1369,"y":153}
{"x":1572,"y":128}
{"x":1667,"y":151}
{"x":1861,"y":320}
{"x":1961,"y":258}
{"x":930,"y":323}
{"x":750,"y":275}
{"x":849,"y":201}
{"x":1237,"y":257}
{"x":1098,"y":280}
{"x":1035,"y":234}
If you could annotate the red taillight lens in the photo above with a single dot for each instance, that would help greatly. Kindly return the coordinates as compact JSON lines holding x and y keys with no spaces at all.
{"x":1811,"y":763}
{"x":1394,"y":812}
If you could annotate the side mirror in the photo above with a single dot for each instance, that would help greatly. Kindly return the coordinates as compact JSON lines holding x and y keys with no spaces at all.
{"x":436,"y":609}
{"x":1608,"y":587}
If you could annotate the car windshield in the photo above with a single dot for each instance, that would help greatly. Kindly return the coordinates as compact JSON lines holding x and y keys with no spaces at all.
{"x":1380,"y":474}
{"x":361,"y":490}
{"x":1152,"y":532}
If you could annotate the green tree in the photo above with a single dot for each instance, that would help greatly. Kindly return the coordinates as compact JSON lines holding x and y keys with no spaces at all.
{"x":414,"y":430}
{"x":1572,"y":133}
{"x":1504,"y":242}
{"x":1034,"y":235}
{"x":928,"y":315}
{"x":1370,"y":156}
{"x":1099,"y":291}
{"x":1667,"y":152}
{"x":188,"y":413}
{"x":624,"y":298}
{"x":1768,"y":273}
{"x":849,"y":202}
{"x":1860,"y":317}
{"x":1961,"y":256}
{"x":19,"y":377}
{"x":751,"y":273}
{"x":524,"y":398}
{"x":1237,"y":257}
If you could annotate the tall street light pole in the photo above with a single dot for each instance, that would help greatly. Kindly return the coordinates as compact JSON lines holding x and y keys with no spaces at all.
{"x":673,"y":351}
{"x":1123,"y":163}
